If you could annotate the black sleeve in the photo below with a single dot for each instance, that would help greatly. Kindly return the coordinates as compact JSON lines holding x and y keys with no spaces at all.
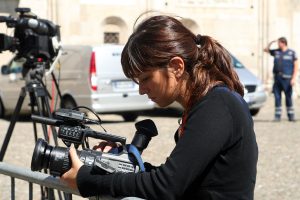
{"x":272,"y":51}
{"x":208,"y":129}
{"x":149,"y":167}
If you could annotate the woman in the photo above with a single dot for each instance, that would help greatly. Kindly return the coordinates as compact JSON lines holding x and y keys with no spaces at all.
{"x":216,"y":153}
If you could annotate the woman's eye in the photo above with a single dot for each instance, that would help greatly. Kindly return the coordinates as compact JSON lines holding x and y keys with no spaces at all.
{"x":143,"y":80}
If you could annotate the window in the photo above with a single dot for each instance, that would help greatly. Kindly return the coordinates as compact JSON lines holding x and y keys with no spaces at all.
{"x":111,"y":37}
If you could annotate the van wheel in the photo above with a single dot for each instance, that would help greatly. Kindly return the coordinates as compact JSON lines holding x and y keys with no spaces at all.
{"x":254,"y":111}
{"x":68,"y":103}
{"x":130,"y":117}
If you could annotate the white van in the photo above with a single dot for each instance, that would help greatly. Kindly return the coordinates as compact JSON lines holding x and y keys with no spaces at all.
{"x":88,"y":76}
{"x":111,"y":91}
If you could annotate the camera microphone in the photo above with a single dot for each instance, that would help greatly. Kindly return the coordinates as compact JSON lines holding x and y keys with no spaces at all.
{"x":47,"y":120}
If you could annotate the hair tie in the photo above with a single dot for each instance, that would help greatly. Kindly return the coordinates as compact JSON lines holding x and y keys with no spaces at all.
{"x":198,"y":39}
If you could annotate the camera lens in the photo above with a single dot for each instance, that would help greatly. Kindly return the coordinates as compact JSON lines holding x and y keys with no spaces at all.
{"x":47,"y":157}
{"x":41,"y":154}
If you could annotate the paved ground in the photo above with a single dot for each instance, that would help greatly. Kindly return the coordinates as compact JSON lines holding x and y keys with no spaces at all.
{"x":278,"y":175}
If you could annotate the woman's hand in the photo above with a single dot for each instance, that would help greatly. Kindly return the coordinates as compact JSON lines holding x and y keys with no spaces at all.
{"x":70,"y":176}
{"x":105,"y":146}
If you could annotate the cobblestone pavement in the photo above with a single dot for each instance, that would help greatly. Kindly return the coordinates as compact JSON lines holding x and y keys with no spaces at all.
{"x":278,"y":176}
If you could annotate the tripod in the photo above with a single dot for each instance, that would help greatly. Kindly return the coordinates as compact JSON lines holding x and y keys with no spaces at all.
{"x":39,"y":98}
{"x":38,"y":95}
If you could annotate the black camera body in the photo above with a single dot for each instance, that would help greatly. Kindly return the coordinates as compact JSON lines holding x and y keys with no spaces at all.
{"x":32,"y":38}
{"x":57,"y":160}
{"x":72,"y":130}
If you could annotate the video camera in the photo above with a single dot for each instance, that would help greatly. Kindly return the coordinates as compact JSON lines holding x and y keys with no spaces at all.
{"x":32,"y":38}
{"x":72,"y":130}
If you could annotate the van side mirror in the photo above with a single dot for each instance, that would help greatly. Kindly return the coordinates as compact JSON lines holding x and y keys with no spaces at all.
{"x":5,"y":70}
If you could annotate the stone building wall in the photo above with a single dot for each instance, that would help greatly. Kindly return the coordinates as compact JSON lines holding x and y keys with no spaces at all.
{"x":244,"y":27}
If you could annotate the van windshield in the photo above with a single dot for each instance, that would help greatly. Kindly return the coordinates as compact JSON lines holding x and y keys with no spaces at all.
{"x":236,"y":63}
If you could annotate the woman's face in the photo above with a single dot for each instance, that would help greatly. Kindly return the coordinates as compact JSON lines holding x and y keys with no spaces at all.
{"x":160,"y":85}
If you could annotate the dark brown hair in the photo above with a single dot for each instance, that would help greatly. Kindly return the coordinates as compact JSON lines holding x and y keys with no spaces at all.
{"x":283,"y":40}
{"x":160,"y":38}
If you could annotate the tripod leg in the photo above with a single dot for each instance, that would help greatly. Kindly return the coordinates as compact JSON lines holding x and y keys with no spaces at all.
{"x":40,"y":111}
{"x":47,"y":107}
{"x":32,"y":103}
{"x":56,"y":85}
{"x":14,"y":118}
{"x":35,"y":132}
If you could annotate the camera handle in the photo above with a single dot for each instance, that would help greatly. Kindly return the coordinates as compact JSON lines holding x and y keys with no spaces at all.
{"x":104,"y":136}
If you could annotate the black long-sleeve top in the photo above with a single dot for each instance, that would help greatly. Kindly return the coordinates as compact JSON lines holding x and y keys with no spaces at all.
{"x":215,"y":158}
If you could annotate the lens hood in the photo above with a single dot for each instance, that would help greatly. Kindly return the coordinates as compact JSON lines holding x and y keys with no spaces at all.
{"x":38,"y":155}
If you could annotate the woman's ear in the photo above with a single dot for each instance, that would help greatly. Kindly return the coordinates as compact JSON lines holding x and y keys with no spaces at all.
{"x":177,"y":66}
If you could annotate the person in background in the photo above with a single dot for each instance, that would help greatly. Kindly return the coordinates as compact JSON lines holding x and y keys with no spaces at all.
{"x":285,"y":76}
{"x":215,"y":156}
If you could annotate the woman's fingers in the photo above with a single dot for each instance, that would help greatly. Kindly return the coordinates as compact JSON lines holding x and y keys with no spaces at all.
{"x":70,"y":176}
{"x":105,"y":146}
{"x":76,"y":162}
{"x":100,"y":146}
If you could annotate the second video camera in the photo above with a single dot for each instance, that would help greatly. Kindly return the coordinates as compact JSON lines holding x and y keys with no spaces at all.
{"x":32,"y":36}
{"x":72,"y":130}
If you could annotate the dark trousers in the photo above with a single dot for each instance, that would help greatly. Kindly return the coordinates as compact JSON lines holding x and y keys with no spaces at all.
{"x":283,"y":84}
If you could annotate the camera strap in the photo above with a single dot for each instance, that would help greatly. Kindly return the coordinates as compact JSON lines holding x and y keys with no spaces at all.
{"x":135,"y":152}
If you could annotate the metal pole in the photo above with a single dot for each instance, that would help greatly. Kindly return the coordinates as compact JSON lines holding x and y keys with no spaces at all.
{"x":35,"y":177}
{"x":30,"y":191}
{"x":12,"y":188}
{"x":41,"y":179}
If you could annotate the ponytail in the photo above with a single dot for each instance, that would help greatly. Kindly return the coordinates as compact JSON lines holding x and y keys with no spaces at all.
{"x":213,"y":66}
